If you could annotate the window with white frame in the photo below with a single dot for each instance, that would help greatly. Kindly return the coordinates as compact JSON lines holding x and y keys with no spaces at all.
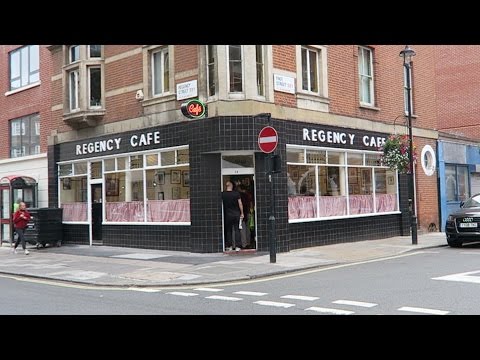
{"x":235,"y":68}
{"x":73,"y":191}
{"x":325,"y":183}
{"x":406,"y":70}
{"x":151,"y":187}
{"x":310,"y":69}
{"x":25,"y":136}
{"x":73,"y":89}
{"x":365,"y":73}
{"x":160,"y":72}
{"x":24,"y":66}
{"x":74,"y":53}
{"x":260,"y":69}
{"x":211,"y":68}
{"x":83,"y":71}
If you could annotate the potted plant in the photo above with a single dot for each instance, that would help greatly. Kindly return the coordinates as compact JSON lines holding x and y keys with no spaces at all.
{"x":396,"y":153}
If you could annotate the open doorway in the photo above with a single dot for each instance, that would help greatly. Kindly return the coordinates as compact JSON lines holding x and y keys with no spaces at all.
{"x":244,"y":184}
{"x":97,"y":214}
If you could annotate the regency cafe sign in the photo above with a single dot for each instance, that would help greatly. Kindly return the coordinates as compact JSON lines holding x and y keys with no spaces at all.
{"x":113,"y":144}
{"x":344,"y":137}
{"x":147,"y":139}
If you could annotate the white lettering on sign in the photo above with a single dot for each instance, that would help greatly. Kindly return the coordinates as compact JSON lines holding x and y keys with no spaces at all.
{"x":284,"y":83}
{"x":373,"y":141}
{"x":145,"y":139}
{"x":99,"y":146}
{"x":339,"y":137}
{"x":187,"y":90}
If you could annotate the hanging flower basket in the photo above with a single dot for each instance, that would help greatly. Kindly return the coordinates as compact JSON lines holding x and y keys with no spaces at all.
{"x":395,"y":153}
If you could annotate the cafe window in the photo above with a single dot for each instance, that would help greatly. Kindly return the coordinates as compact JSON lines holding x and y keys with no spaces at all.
{"x":328,"y":183}
{"x":73,"y":191}
{"x":151,"y":187}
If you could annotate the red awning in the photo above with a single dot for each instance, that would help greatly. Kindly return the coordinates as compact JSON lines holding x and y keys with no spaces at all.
{"x":13,"y":178}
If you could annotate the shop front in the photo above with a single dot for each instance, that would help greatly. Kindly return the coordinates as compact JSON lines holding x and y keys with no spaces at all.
{"x":13,"y":190}
{"x":161,"y":187}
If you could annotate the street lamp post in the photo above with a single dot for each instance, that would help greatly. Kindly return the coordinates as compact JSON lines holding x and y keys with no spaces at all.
{"x":407,"y":54}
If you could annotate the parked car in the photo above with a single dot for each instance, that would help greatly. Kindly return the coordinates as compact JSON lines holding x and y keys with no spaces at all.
{"x":463,"y":225}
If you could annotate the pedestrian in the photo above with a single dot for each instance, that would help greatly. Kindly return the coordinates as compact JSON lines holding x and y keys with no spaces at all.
{"x":20,"y":221}
{"x":16,"y":206}
{"x":246,"y":204}
{"x":232,"y":213}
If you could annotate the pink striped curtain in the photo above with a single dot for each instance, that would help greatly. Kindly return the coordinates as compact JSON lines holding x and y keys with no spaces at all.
{"x":302,"y":207}
{"x":125,"y":211}
{"x":168,"y":210}
{"x":305,"y":207}
{"x":386,"y":202}
{"x":333,"y":205}
{"x":361,"y":204}
{"x":75,"y":211}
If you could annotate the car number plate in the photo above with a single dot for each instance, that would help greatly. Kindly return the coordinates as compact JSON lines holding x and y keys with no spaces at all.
{"x":468,"y":225}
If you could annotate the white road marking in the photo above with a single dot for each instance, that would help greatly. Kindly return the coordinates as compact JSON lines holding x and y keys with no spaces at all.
{"x":208,"y":289}
{"x":423,"y":310}
{"x":250,"y":293}
{"x":226,"y":298}
{"x":300,"y":297}
{"x":143,"y":289}
{"x":181,"y":293}
{"x":469,"y":253}
{"x":330,"y":311}
{"x":462,"y":277}
{"x":355,"y":303}
{"x":139,"y":256}
{"x":273,"y":303}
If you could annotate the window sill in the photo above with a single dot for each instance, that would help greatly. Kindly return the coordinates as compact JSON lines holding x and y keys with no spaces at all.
{"x":369,"y":107}
{"x":88,"y":117}
{"x":312,"y":102}
{"x":314,"y":97}
{"x":159,"y":100}
{"x":11,"y":92}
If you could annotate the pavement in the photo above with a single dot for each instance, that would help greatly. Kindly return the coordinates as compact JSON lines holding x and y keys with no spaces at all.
{"x":131,"y":267}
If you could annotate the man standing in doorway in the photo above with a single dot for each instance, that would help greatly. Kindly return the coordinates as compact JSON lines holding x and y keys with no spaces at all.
{"x":232,"y":213}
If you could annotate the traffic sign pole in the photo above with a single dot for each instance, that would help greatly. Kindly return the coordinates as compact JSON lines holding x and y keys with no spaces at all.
{"x":267,"y":142}
{"x":273,"y":240}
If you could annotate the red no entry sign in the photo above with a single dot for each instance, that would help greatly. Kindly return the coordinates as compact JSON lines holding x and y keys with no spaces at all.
{"x":268,"y":139}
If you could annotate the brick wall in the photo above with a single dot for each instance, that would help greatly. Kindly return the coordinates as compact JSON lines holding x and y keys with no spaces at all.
{"x":112,"y":50}
{"x":186,"y":57}
{"x":284,"y":57}
{"x":26,"y":102}
{"x":457,"y":75}
{"x":343,"y":82}
{"x":427,"y":190}
{"x":120,"y":74}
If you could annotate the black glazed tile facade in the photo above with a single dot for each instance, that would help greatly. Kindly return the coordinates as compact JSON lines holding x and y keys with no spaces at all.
{"x":147,"y":236}
{"x":75,"y":234}
{"x":207,"y":138}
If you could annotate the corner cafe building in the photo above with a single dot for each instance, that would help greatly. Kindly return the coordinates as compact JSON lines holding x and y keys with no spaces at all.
{"x":160,"y":187}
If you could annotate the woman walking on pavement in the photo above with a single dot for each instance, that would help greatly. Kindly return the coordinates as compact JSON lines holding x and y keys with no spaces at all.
{"x":20,"y":221}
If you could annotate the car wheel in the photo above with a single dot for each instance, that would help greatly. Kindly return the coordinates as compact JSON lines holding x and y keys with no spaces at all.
{"x":454,"y":243}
